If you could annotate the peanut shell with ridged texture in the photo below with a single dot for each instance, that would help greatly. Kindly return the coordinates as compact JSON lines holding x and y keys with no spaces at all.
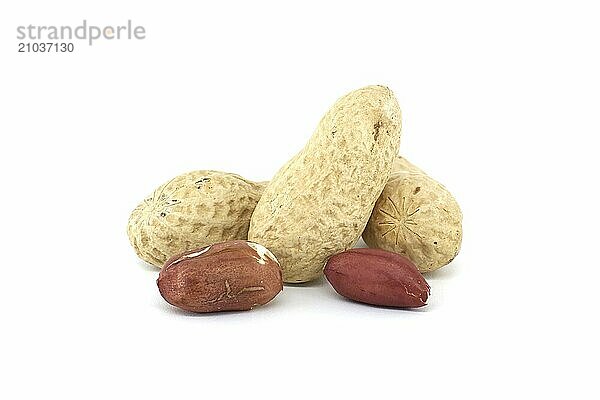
{"x":319,"y":202}
{"x":416,"y":216}
{"x":190,"y":211}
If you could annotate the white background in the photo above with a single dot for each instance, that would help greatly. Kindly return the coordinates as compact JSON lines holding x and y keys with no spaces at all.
{"x":500,"y":103}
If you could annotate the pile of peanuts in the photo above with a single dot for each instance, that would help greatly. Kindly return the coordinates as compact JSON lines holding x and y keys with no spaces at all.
{"x":226,"y":243}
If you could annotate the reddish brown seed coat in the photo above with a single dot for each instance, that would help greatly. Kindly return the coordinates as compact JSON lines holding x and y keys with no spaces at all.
{"x":377,"y":277}
{"x":234,"y":275}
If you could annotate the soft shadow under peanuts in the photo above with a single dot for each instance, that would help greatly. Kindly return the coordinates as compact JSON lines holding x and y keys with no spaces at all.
{"x":391,"y":309}
{"x":314,"y":283}
{"x":147,"y":267}
{"x":170,"y":309}
{"x":446,"y":272}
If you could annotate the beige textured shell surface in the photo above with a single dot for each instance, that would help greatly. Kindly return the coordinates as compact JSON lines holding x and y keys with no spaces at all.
{"x":319,"y":202}
{"x":416,"y":216}
{"x":192,"y":210}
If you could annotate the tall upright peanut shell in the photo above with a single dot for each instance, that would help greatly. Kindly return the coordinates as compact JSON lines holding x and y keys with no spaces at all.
{"x":318,"y":203}
{"x":416,"y":216}
{"x":192,"y":210}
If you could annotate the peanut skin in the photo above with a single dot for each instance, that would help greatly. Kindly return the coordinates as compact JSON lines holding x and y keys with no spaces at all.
{"x":230,"y":276}
{"x":377,"y":277}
